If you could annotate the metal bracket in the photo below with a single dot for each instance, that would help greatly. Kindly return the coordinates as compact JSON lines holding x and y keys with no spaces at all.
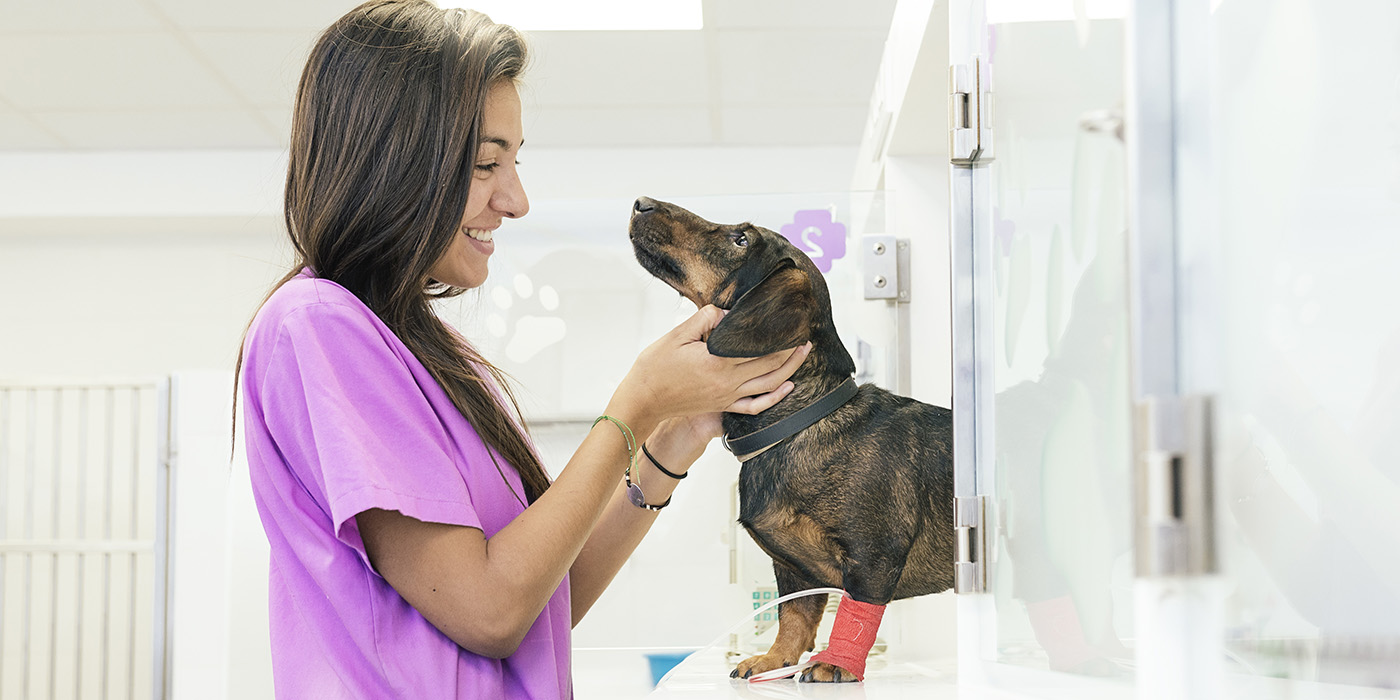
{"x":1174,"y":498}
{"x":970,"y":113}
{"x":886,"y":260}
{"x":970,"y":540}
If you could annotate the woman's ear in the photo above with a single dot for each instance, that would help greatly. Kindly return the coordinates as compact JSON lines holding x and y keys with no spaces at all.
{"x":775,"y":315}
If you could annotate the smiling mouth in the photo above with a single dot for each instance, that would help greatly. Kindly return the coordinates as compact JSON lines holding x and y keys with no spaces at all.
{"x":480,"y":234}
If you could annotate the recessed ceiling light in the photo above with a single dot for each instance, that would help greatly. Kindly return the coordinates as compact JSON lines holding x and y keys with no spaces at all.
{"x":553,"y":15}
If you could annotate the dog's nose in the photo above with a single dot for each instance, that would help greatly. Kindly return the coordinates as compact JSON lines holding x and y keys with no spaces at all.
{"x":643,"y":205}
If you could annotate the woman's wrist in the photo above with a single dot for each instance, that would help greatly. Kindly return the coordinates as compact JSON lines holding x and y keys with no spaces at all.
{"x":675,"y":445}
{"x":635,"y":416}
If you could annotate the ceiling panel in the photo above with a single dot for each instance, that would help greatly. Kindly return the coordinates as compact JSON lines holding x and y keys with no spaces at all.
{"x":792,"y":126}
{"x":790,"y":14}
{"x":618,"y":68}
{"x":71,"y":72}
{"x":254,"y":14}
{"x":616,"y":126}
{"x":167,"y":74}
{"x":19,"y":133}
{"x":75,"y":16}
{"x":160,"y":129}
{"x":280,"y":121}
{"x":819,"y":66}
{"x":264,"y":66}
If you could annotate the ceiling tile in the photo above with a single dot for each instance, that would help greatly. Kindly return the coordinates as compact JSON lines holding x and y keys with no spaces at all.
{"x":19,"y":133}
{"x":280,"y":121}
{"x":264,"y":66}
{"x":161,"y":129}
{"x":75,"y":16}
{"x":255,"y":14}
{"x":792,"y":126}
{"x":71,"y":72}
{"x":617,"y":68}
{"x":790,"y":14}
{"x":616,"y":126}
{"x":818,"y":66}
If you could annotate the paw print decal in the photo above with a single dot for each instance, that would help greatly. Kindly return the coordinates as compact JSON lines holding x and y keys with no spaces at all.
{"x":532,"y":327}
{"x":815,"y":233}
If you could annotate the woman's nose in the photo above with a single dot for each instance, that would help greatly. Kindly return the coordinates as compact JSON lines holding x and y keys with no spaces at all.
{"x":511,"y":199}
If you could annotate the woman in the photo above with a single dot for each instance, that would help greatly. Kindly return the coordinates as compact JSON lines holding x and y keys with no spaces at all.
{"x":418,"y":548}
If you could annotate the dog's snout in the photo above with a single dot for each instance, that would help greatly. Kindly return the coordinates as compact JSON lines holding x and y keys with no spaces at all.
{"x":643,"y":205}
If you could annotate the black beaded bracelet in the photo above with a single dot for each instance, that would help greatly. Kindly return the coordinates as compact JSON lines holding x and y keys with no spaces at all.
{"x":664,"y":470}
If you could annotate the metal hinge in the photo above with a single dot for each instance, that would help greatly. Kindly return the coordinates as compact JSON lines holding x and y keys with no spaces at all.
{"x":970,"y":113}
{"x":886,"y":261}
{"x":970,"y":537}
{"x":1174,"y":502}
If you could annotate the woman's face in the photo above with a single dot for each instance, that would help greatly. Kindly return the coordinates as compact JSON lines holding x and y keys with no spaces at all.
{"x":495,"y":194}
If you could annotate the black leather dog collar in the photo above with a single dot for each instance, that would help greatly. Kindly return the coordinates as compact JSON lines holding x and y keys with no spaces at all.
{"x":760,"y":440}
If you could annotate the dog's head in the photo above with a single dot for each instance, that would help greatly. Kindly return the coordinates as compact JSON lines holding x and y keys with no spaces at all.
{"x":775,"y":296}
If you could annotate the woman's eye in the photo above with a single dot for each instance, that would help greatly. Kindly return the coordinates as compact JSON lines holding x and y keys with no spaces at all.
{"x":490,"y":167}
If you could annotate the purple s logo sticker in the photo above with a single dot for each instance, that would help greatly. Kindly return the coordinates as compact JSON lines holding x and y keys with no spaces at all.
{"x":815,"y":233}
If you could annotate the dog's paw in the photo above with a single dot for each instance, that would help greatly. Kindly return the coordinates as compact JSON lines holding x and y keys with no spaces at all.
{"x":762,"y":663}
{"x":826,"y":673}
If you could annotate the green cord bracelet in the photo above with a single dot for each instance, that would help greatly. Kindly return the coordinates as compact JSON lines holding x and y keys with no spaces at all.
{"x":634,"y":490}
{"x":626,"y":435}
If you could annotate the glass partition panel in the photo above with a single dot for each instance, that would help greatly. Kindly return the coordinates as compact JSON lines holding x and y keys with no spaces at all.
{"x":1062,"y":570}
{"x":1300,"y":336}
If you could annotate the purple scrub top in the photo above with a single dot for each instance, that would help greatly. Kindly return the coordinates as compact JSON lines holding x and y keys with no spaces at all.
{"x":340,"y":417}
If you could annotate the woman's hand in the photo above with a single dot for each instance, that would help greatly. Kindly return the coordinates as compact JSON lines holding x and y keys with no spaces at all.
{"x":677,"y":377}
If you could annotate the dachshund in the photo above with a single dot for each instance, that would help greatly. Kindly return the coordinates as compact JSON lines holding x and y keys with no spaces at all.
{"x":861,"y":499}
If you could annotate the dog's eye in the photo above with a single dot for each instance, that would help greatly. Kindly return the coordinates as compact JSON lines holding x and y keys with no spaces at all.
{"x":740,"y":239}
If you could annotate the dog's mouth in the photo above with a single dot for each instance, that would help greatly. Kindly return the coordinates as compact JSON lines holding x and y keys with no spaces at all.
{"x":661,"y":266}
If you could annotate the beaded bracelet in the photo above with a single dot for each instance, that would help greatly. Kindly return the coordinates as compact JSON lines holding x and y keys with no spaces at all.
{"x":634,"y":491}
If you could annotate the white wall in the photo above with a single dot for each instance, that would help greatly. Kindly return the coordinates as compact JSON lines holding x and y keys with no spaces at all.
{"x":144,"y":263}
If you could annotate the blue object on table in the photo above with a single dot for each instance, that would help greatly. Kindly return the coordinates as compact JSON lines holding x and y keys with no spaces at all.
{"x":661,"y":663}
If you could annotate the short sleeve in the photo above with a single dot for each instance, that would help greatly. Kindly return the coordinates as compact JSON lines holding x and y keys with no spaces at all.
{"x":354,"y":423}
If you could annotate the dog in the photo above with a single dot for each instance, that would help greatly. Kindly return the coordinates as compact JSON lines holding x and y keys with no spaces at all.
{"x":860,"y":500}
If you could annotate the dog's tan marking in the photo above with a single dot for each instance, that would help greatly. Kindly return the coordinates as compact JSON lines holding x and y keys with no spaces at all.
{"x":789,"y":536}
{"x":798,"y":620}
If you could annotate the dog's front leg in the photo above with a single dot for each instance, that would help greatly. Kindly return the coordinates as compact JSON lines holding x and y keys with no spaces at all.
{"x":797,"y":626}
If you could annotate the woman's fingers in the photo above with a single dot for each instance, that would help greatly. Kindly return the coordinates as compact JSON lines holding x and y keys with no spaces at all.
{"x":771,"y":379}
{"x":697,"y":328}
{"x":754,"y":405}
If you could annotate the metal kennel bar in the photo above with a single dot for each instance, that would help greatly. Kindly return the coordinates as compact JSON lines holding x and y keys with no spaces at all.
{"x":83,"y":547}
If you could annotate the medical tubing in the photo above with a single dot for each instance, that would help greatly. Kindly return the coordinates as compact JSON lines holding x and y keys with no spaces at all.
{"x":748,"y":618}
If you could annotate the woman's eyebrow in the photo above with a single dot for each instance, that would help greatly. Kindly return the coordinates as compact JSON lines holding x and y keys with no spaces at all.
{"x":500,"y":142}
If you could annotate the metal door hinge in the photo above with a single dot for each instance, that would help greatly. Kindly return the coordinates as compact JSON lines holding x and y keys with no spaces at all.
{"x":886,"y":261}
{"x":970,"y":537}
{"x":970,"y":112}
{"x":1174,"y":493}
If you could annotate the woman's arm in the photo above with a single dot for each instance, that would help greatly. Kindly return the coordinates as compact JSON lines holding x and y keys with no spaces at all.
{"x":484,"y":593}
{"x":677,"y":443}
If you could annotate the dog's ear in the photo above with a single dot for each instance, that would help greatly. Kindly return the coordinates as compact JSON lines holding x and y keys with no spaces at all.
{"x":774,"y":315}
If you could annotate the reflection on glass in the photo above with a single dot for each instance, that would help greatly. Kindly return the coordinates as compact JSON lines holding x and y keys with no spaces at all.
{"x":1308,"y":358}
{"x":1062,"y":576}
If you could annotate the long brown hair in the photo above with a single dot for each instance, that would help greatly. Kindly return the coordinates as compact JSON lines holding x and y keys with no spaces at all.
{"x":385,"y":131}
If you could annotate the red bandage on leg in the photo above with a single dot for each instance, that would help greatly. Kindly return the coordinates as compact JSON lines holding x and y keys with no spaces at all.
{"x":852,"y":636}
